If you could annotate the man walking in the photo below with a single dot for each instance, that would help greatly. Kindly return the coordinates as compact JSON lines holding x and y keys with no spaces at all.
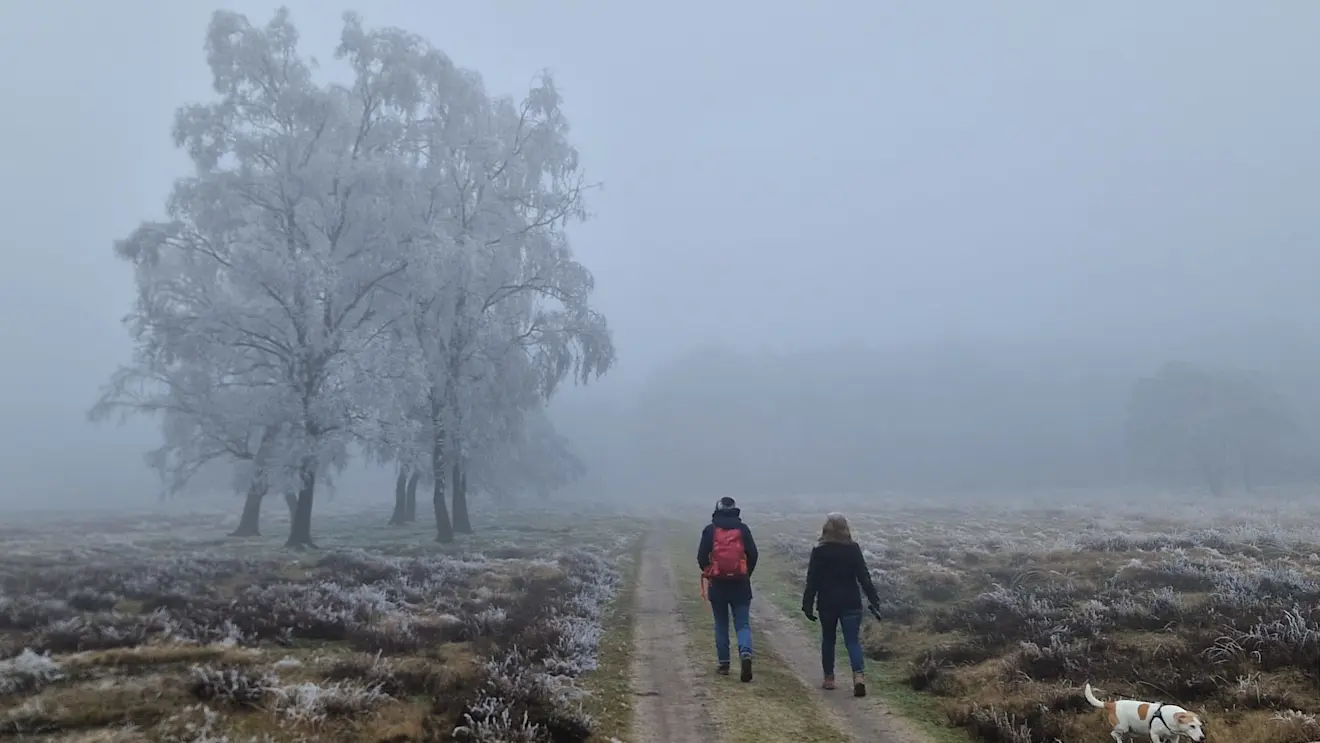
{"x":727,"y":557}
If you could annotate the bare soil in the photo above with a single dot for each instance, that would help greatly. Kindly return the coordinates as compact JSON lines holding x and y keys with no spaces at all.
{"x":673,"y":704}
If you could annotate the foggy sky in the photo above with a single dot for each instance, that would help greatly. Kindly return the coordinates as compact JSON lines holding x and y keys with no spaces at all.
{"x":776,"y":175}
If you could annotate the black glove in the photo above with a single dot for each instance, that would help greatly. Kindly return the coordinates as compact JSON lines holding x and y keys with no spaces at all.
{"x":806,"y":612}
{"x":875,"y":611}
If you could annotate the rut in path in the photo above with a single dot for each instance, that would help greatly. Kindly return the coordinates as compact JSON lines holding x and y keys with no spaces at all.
{"x":866,"y":719}
{"x":672,"y":703}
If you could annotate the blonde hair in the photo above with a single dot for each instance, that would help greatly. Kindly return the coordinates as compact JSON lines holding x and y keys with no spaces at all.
{"x":836,"y":530}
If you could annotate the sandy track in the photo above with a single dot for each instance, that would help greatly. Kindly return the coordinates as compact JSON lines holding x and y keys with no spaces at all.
{"x":866,"y":719}
{"x":673,"y":705}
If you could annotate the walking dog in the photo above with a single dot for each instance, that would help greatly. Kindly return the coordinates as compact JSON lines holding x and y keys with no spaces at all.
{"x":1162,"y":722}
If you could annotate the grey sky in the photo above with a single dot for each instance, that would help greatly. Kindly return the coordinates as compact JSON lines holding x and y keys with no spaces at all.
{"x":776,"y":174}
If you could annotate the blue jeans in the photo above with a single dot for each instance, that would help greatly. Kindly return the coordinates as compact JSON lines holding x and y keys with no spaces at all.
{"x":851,"y":621}
{"x":742,"y":624}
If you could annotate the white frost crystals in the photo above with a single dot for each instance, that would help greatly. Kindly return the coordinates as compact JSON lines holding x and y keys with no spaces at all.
{"x":27,"y":672}
{"x":516,"y":681}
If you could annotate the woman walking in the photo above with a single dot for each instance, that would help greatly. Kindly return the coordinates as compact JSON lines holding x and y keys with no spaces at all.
{"x":834,"y":576}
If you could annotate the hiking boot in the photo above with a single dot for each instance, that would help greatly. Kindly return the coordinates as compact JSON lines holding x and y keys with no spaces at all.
{"x":828,"y":683}
{"x":746,"y":669}
{"x":859,"y":684}
{"x":723,"y":669}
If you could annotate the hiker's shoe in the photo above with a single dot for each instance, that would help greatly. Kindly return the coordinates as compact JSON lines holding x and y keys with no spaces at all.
{"x":828,"y":683}
{"x":723,"y":669}
{"x":746,"y":669}
{"x":859,"y":684}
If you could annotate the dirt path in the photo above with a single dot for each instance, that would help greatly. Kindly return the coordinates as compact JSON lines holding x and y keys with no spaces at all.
{"x":672,"y":702}
{"x":866,"y":719}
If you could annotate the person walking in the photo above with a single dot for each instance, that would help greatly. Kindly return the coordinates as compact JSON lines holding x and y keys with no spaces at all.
{"x":727,"y":558}
{"x":834,"y":574}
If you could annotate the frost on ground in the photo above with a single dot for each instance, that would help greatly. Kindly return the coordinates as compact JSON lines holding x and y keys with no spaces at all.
{"x":128,"y":633}
{"x":1001,"y":613}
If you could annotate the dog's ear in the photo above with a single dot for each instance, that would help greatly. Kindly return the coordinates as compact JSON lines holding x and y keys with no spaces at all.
{"x":1185,"y":718}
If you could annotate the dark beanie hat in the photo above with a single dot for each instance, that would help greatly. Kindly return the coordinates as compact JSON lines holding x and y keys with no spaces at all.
{"x":724,"y":504}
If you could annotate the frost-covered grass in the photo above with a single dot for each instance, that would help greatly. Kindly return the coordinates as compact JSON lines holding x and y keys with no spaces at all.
{"x":999,"y":611}
{"x":157,"y":627}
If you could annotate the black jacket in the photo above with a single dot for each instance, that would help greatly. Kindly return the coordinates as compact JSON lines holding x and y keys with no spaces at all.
{"x":737,"y":591}
{"x":833,"y":576}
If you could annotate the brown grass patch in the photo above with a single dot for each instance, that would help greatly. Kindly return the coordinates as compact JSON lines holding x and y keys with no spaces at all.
{"x":156,"y":655}
{"x":123,"y":735}
{"x":398,"y":723}
{"x":117,"y":702}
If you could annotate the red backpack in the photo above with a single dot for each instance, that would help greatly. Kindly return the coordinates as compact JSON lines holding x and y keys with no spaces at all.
{"x":728,"y":557}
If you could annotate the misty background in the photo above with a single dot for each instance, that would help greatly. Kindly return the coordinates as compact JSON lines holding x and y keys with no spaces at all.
{"x":847,"y":246}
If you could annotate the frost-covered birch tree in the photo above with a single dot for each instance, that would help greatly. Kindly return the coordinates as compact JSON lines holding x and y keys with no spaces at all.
{"x":518,"y":185}
{"x":267,"y":273}
{"x":494,"y":185}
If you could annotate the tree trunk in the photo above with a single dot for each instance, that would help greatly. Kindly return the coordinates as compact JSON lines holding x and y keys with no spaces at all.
{"x":291,"y":500}
{"x":248,"y":523}
{"x":1248,"y":472}
{"x":462,"y":524}
{"x":400,"y":515}
{"x":300,"y":530}
{"x":1212,"y":472}
{"x":410,"y":510}
{"x":444,"y":531}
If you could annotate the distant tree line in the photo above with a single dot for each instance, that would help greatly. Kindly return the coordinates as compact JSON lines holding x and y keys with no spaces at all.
{"x":376,"y":269}
{"x":1217,"y":427}
{"x":858,"y":420}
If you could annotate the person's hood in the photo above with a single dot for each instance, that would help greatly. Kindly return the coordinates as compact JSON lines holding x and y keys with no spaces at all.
{"x":727,"y":518}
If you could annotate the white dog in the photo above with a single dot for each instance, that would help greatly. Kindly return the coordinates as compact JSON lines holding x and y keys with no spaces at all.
{"x":1161,"y":721}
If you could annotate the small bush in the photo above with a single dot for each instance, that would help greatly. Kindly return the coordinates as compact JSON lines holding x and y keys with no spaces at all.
{"x":234,"y":686}
{"x":27,"y":673}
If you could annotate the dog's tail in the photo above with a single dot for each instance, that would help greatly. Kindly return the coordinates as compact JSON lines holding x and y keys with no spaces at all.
{"x":1090,"y":697}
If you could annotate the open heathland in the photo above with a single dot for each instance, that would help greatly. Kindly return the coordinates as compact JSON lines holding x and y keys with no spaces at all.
{"x":998,"y":612}
{"x":153,"y":627}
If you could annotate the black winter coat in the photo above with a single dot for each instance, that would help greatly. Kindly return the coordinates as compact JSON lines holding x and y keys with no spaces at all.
{"x":834,"y":575}
{"x":738,"y":591}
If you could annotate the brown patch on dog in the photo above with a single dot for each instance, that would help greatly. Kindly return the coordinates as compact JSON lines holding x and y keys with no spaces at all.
{"x":1111,"y":713}
{"x":1142,"y":709}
